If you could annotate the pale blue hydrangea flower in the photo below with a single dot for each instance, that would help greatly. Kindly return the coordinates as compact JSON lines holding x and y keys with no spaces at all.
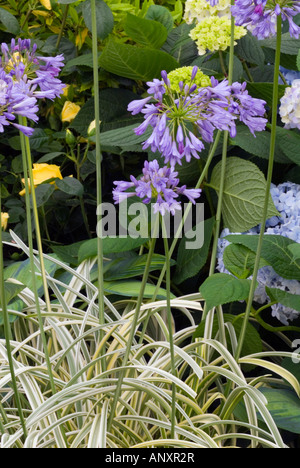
{"x":286,"y":198}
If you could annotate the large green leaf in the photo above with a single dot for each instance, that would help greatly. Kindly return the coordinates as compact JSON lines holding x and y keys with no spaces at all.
{"x":113,"y":111}
{"x":284,"y":298}
{"x":180,"y":45}
{"x":244,"y":194}
{"x":132,"y":289}
{"x":21,"y":271}
{"x":12,"y":290}
{"x":289,"y":45}
{"x":105,"y":19}
{"x":284,"y":406}
{"x":161,"y":14}
{"x":249,"y":49}
{"x":124,"y":268}
{"x":221,"y":288}
{"x":134,"y":62}
{"x":265,"y":91}
{"x":295,"y":249}
{"x":110,"y":245}
{"x":288,"y":142}
{"x":191,"y":261}
{"x":259,"y":145}
{"x":275,"y":250}
{"x":146,"y":32}
{"x":9,"y":21}
{"x":240,"y":260}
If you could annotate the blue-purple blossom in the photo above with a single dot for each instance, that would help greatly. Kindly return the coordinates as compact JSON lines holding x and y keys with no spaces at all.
{"x":286,"y":198}
{"x":21,"y":62}
{"x":183,"y":121}
{"x":158,"y":184}
{"x":14,"y":103}
{"x":259,"y":16}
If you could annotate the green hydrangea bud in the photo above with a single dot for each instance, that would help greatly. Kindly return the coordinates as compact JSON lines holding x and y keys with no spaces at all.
{"x":184,"y":75}
{"x":214,"y":33}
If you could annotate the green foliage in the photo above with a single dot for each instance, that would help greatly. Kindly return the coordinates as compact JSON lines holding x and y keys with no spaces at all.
{"x":244,"y":194}
{"x":221,"y":288}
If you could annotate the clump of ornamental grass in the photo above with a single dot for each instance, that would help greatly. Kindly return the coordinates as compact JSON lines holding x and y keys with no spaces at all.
{"x":77,"y":415}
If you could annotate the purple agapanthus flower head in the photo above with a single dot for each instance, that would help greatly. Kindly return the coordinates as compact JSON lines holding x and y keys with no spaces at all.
{"x":20,"y":61}
{"x":14,"y":103}
{"x":160,"y":184}
{"x":183,"y":121}
{"x":259,"y":16}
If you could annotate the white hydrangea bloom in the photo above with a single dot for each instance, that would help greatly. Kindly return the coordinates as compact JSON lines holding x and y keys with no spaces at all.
{"x":290,"y":106}
{"x":197,"y":10}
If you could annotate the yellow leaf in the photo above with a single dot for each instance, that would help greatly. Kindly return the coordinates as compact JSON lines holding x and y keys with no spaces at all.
{"x":45,"y":14}
{"x":81,"y":37}
{"x":46,"y":4}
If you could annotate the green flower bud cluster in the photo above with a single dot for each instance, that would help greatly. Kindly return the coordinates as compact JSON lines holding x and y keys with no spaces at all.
{"x":214,"y":34}
{"x":184,"y":75}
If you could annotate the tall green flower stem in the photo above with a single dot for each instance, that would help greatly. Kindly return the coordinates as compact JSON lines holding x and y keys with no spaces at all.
{"x":268,"y":188}
{"x":7,"y":333}
{"x":170,"y":326}
{"x":29,"y":187}
{"x":63,"y":23}
{"x":134,"y":323}
{"x":209,"y":318}
{"x":180,"y":228}
{"x":98,"y":172}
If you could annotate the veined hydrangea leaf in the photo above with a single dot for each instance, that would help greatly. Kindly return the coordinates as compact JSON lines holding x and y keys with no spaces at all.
{"x":240,"y":260}
{"x":295,"y":249}
{"x":284,"y":298}
{"x":244,"y":194}
{"x":222,"y":288}
{"x":146,"y":32}
{"x":105,"y":19}
{"x":134,"y":62}
{"x":275,"y":250}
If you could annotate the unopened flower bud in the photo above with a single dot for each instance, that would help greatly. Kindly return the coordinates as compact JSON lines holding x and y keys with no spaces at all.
{"x":70,"y":138}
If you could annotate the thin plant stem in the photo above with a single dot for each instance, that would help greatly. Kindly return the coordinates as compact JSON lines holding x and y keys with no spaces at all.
{"x":134,"y":322}
{"x":63,"y":23}
{"x":29,"y":187}
{"x":7,"y":333}
{"x":170,"y":326}
{"x":268,"y":188}
{"x":180,"y":228}
{"x":210,"y":317}
{"x":98,"y":172}
{"x":189,"y":207}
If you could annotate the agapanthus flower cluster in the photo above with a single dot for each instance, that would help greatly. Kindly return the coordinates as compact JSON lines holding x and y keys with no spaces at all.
{"x":182,"y":121}
{"x":160,"y":184}
{"x":260,"y":16}
{"x":25,"y":78}
{"x":20,"y":60}
{"x":14,"y":103}
{"x":286,"y":198}
{"x":290,"y":106}
{"x":197,"y":10}
{"x":214,"y":33}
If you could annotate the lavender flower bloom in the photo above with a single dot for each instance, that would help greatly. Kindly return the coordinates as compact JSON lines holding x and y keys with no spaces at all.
{"x":259,"y":16}
{"x":21,"y":62}
{"x":156,"y":183}
{"x":286,"y":198}
{"x":13,"y":102}
{"x":182,"y":120}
